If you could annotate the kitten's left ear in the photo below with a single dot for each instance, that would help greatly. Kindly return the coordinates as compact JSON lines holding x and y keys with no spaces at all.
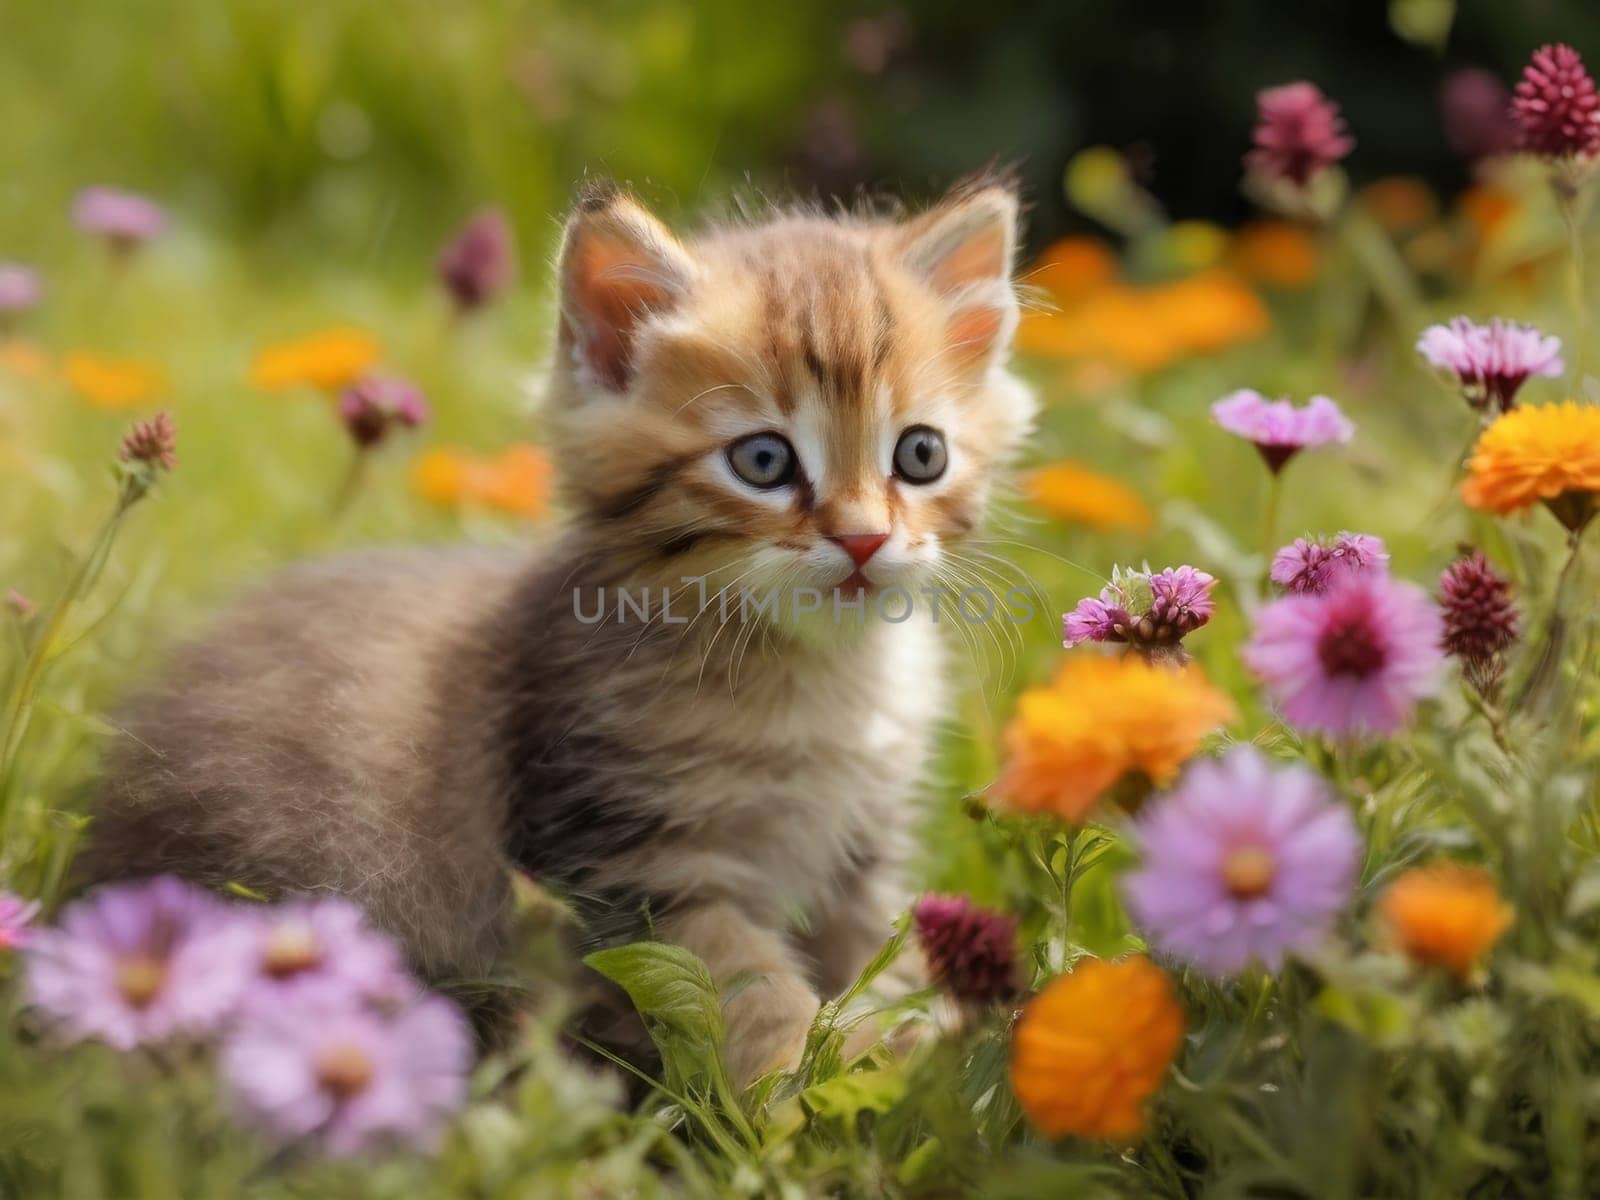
{"x":963,"y":249}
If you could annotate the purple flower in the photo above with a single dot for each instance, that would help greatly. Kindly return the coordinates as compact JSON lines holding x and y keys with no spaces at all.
{"x":376,"y":404}
{"x":140,"y":962}
{"x":1491,"y":362}
{"x":1299,"y":133}
{"x":123,"y":218}
{"x":1277,"y":428}
{"x":1475,"y":108}
{"x":20,"y":289}
{"x":1355,"y":658}
{"x":324,"y":949}
{"x":1102,"y":620}
{"x":1314,"y":566}
{"x":1243,"y":863}
{"x":351,"y":1078}
{"x":480,"y":262}
{"x":16,"y":914}
{"x":1143,"y":609}
{"x":971,"y":952}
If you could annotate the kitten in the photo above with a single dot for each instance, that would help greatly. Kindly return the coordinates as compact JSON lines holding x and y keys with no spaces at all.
{"x":809,"y":402}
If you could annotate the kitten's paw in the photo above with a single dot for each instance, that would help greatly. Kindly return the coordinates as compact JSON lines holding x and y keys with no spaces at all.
{"x":767,"y":1031}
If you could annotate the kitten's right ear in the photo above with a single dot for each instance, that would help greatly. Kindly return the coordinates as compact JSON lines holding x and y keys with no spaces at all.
{"x":619,"y":266}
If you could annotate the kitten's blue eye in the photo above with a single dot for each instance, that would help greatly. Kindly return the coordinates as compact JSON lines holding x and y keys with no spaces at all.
{"x":920,"y":455}
{"x":763,"y":460}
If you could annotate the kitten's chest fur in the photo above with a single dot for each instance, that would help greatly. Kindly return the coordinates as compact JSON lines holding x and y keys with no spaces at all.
{"x":660,"y":764}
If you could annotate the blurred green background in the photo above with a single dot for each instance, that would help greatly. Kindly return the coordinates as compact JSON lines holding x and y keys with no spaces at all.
{"x":358,"y":127}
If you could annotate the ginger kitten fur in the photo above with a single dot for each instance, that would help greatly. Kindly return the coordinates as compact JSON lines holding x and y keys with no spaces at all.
{"x":809,"y":402}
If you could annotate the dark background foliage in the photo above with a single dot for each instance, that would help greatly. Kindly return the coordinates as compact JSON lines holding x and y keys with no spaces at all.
{"x":360,"y":123}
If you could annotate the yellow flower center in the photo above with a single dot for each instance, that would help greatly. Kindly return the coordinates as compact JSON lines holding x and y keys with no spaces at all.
{"x":140,"y":979}
{"x":292,"y":947}
{"x":1248,"y":872}
{"x":344,"y":1070}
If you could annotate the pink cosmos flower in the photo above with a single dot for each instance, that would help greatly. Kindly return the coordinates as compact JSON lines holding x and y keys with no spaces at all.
{"x":350,"y":1078}
{"x":1491,"y":362}
{"x":125,"y":219}
{"x":20,"y":289}
{"x":1555,"y":105}
{"x":141,"y":962}
{"x":1299,"y":133}
{"x":480,"y":262}
{"x":971,"y":952}
{"x":1315,"y":566}
{"x":1278,"y":429}
{"x":1143,"y":609}
{"x":324,"y":949}
{"x":1355,"y":658}
{"x":16,"y":914}
{"x":1243,"y":862}
{"x":376,"y":404}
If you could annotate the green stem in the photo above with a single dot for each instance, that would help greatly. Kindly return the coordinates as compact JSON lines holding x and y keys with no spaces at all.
{"x":1572,"y":219}
{"x":354,"y":476}
{"x":1388,"y":274}
{"x":1530,"y":696}
{"x":20,"y":708}
{"x":1269,"y":520}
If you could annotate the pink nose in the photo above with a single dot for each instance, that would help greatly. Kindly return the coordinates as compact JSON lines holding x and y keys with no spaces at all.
{"x":860,"y":546}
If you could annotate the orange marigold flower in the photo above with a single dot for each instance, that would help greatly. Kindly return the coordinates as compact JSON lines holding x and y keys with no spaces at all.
{"x":1073,"y":267}
{"x":1549,"y":453}
{"x":1400,"y":202}
{"x":24,"y":359}
{"x":1447,"y":915}
{"x":1208,"y":312}
{"x":1489,"y":211}
{"x":515,"y":481}
{"x":112,"y":382}
{"x":329,"y":360}
{"x":1100,"y":721}
{"x":1070,"y":492}
{"x":1093,"y":1046}
{"x":1277,"y":253}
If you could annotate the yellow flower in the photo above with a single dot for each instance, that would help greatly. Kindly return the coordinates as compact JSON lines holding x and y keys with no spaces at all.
{"x":515,"y":481}
{"x":1195,"y":245}
{"x":1070,"y":492}
{"x":1093,"y":1046}
{"x":1447,"y":915}
{"x":1550,"y":453}
{"x":1277,"y":253}
{"x":1101,"y":721}
{"x":1400,"y":202}
{"x":330,"y":359}
{"x":24,"y":359}
{"x":112,"y":383}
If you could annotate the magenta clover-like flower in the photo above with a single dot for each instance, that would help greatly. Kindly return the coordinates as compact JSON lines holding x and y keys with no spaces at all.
{"x":1316,"y":565}
{"x":1298,"y":135}
{"x":1143,"y":609}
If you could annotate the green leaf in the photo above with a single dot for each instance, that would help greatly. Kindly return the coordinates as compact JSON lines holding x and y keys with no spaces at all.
{"x":673,"y":992}
{"x":844,"y":1097}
